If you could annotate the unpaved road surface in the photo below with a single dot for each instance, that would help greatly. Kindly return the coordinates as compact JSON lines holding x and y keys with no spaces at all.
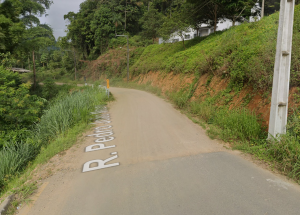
{"x":168,"y":166}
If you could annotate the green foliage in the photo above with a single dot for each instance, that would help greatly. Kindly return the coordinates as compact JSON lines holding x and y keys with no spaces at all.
{"x":49,"y":89}
{"x":97,"y":22}
{"x":230,"y":52}
{"x":238,"y":124}
{"x":65,"y":112}
{"x":176,"y":25}
{"x":151,"y":23}
{"x":271,"y":6}
{"x":293,"y":126}
{"x":283,"y":152}
{"x":11,"y":28}
{"x":18,"y":108}
{"x":237,"y":10}
{"x":180,"y":98}
{"x":13,"y":158}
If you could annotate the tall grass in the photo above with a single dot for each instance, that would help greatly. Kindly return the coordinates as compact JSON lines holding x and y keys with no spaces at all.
{"x":235,"y":124}
{"x":238,"y":124}
{"x":64,"y":113}
{"x":283,"y":152}
{"x":180,"y":98}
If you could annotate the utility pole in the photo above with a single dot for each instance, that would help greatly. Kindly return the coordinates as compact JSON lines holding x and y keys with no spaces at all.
{"x":263,"y":9}
{"x":281,"y":80}
{"x":127,"y":55}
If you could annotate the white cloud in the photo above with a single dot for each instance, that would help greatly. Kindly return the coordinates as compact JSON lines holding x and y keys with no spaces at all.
{"x":56,"y":14}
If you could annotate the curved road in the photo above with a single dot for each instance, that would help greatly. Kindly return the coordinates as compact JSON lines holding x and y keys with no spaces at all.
{"x":168,"y":166}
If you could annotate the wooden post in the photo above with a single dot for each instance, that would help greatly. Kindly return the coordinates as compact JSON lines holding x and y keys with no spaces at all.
{"x":281,"y":80}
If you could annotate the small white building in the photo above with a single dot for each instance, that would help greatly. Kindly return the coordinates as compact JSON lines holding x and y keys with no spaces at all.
{"x":191,"y":33}
{"x":203,"y":31}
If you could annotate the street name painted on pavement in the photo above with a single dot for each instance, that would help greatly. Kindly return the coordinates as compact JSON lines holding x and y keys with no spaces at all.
{"x":103,"y":135}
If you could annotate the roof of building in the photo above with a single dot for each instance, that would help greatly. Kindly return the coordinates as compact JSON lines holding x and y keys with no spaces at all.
{"x":20,"y":70}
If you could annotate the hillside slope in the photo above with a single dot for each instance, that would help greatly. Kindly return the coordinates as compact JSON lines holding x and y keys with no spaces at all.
{"x":245,"y":53}
{"x":225,"y":80}
{"x":242,"y":57}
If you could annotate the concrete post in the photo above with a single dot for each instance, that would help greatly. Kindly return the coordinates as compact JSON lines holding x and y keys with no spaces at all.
{"x":263,"y":9}
{"x":281,"y":80}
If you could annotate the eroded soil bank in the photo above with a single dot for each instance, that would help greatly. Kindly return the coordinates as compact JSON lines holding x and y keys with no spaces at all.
{"x":209,"y":87}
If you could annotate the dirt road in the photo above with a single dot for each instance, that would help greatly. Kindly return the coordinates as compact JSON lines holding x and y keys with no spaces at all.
{"x":163,"y":164}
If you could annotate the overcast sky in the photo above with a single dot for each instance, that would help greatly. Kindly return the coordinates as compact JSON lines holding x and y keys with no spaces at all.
{"x":56,"y":14}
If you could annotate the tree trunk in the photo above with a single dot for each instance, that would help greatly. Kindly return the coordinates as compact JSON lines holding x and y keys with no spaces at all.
{"x":34,"y":75}
{"x":183,"y":44}
{"x":28,"y":62}
{"x":215,"y":18}
{"x":153,"y":38}
{"x":125,"y":14}
{"x":233,"y":22}
{"x":170,"y":11}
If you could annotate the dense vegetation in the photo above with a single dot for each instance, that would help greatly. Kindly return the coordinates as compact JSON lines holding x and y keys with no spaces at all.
{"x":93,"y":28}
{"x":29,"y":122}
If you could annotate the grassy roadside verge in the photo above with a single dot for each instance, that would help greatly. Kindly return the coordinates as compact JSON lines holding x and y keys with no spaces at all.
{"x":23,"y":185}
{"x":240,"y":127}
{"x":60,"y":126}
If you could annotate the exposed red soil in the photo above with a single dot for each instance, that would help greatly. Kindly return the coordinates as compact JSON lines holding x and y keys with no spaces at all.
{"x":259,"y":102}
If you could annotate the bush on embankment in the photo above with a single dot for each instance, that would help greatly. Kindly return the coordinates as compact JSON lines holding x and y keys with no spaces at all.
{"x":245,"y":53}
{"x":67,"y":111}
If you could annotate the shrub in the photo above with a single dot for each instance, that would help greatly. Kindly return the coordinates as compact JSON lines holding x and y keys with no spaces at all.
{"x":50,"y":89}
{"x":18,"y":109}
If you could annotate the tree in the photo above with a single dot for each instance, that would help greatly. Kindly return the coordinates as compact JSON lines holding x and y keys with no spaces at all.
{"x":271,"y":6}
{"x":202,"y":11}
{"x":151,"y":23}
{"x":177,"y":25}
{"x":11,"y":28}
{"x":97,"y":22}
{"x":117,"y":20}
{"x":237,"y":10}
{"x":18,"y":109}
{"x":36,"y":38}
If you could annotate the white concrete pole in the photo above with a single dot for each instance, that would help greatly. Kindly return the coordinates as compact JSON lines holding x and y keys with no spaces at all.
{"x":263,"y":9}
{"x":281,"y":80}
